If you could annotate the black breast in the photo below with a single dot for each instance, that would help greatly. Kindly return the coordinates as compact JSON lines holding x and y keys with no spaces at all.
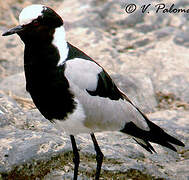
{"x":46,"y":83}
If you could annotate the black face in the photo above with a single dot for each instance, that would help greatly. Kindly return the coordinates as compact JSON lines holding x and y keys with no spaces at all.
{"x":40,"y":29}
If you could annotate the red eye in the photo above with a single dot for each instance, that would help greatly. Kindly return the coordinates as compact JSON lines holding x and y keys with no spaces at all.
{"x":35,"y":23}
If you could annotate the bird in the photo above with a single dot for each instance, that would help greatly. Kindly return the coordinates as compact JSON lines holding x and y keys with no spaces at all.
{"x":73,"y":91}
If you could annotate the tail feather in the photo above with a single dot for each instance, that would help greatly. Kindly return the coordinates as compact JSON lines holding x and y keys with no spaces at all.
{"x":167,"y":138}
{"x":146,"y":145}
{"x":174,"y":141}
{"x":155,"y":134}
{"x":163,"y":135}
{"x":163,"y":139}
{"x":168,"y":145}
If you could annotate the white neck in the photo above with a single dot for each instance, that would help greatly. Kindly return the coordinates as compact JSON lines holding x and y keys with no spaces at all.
{"x":59,"y":41}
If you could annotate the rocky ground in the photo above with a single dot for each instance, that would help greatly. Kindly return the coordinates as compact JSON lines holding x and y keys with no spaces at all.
{"x":147,"y":56}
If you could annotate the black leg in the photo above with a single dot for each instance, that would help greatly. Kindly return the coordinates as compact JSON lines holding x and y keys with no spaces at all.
{"x":76,"y":158}
{"x":99,"y":156}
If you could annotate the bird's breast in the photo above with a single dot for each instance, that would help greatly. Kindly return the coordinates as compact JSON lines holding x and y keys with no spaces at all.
{"x":49,"y":90}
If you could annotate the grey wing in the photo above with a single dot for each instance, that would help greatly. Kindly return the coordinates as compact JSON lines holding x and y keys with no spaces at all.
{"x":105,"y":106}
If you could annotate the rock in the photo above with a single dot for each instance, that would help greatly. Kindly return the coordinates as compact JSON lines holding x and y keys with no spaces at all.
{"x":163,"y":32}
{"x":30,"y":150}
{"x":168,"y":71}
{"x":15,"y":84}
{"x":182,"y":38}
{"x":10,"y":112}
{"x":140,"y":93}
{"x":20,"y":148}
{"x":172,"y":74}
{"x":11,"y":60}
{"x":147,"y":56}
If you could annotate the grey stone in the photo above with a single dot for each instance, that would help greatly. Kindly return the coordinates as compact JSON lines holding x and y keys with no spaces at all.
{"x":142,"y":43}
{"x":9,"y":111}
{"x":182,"y":3}
{"x":19,"y":147}
{"x":139,"y":89}
{"x":15,"y":84}
{"x":163,"y":32}
{"x":132,"y":19}
{"x":182,"y":38}
{"x":11,"y":60}
{"x":145,"y":28}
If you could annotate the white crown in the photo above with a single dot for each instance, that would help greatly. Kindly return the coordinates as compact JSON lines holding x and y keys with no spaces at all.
{"x":30,"y":13}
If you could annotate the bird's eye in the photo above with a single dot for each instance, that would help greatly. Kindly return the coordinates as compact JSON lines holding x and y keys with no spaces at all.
{"x":35,"y":22}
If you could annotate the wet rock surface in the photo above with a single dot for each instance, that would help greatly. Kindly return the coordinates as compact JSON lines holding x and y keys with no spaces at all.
{"x":146,"y":54}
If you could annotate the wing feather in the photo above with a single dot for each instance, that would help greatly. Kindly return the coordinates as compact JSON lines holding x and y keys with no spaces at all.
{"x":83,"y":73}
{"x":105,"y":105}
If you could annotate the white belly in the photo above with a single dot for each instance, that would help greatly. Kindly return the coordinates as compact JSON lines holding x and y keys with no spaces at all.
{"x":74,"y":123}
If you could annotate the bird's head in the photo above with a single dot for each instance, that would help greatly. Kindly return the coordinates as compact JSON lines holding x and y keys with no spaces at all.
{"x":36,"y":22}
